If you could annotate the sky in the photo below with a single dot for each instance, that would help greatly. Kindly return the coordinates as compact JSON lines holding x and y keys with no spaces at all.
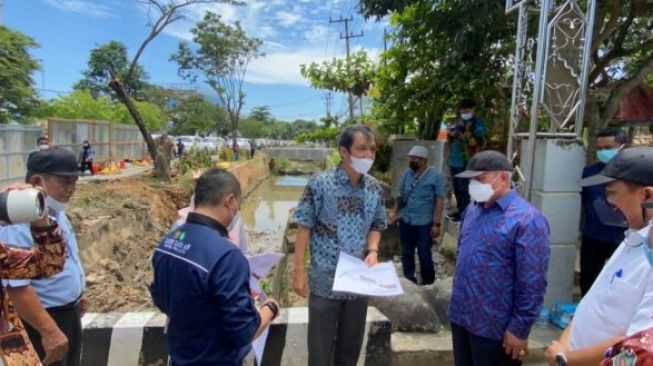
{"x":293,"y":31}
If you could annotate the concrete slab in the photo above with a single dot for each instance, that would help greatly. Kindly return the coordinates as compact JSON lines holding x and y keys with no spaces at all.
{"x":426,"y":349}
{"x":560,"y":275}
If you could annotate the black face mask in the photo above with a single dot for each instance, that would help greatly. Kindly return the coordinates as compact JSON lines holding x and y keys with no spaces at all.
{"x":413,"y":165}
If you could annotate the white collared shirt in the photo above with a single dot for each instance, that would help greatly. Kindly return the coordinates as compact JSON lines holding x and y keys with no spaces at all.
{"x":620,"y":300}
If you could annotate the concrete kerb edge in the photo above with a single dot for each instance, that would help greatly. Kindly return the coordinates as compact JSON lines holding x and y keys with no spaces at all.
{"x":105,"y":336}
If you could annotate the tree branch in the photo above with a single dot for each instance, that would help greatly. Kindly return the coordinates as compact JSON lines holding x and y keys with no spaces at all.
{"x":610,"y":26}
{"x":611,"y":105}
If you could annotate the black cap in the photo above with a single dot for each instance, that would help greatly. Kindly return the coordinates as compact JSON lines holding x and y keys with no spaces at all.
{"x":633,"y":165}
{"x":486,"y":161}
{"x":55,"y":161}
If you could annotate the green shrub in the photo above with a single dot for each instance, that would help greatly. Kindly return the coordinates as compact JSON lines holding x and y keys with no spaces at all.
{"x":194,"y":159}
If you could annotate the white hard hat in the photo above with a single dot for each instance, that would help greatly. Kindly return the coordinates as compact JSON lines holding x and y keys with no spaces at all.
{"x":419,"y":152}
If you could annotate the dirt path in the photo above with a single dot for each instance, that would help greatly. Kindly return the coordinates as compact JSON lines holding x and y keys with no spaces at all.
{"x":118,"y":223}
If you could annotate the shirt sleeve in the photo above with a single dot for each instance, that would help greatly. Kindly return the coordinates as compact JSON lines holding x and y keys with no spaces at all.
{"x":531,"y":260}
{"x":402,"y":184}
{"x":380,"y":219}
{"x":308,"y":206}
{"x":230,"y":287}
{"x":439,"y":186}
{"x":19,"y":236}
{"x":479,"y":129}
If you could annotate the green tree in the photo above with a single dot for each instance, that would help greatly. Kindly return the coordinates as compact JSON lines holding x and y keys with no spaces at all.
{"x":17,"y":95}
{"x":111,"y":56}
{"x":167,"y":12}
{"x":222,"y":57}
{"x":445,"y":50}
{"x":79,"y":104}
{"x":350,"y":75}
{"x":261,"y":113}
{"x":196,"y":114}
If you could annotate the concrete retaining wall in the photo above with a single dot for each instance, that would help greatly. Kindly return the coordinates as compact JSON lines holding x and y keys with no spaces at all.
{"x":298,"y":153}
{"x":251,"y":173}
{"x":133,"y":339}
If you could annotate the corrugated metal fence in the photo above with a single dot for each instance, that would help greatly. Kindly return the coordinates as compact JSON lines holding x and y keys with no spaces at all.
{"x":107,"y":139}
{"x":16,"y":142}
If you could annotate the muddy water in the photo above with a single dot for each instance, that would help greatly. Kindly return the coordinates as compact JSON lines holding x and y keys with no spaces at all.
{"x":265,"y":211}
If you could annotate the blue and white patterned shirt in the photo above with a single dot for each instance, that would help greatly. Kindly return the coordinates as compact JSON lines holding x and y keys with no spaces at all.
{"x":501,"y":268}
{"x":340,"y":217}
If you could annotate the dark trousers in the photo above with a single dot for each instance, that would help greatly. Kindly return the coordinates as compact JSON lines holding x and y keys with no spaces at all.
{"x":69,"y":320}
{"x":593,"y":255}
{"x":335,"y":330}
{"x":472,"y":350}
{"x":460,"y":189}
{"x":86,"y":165}
{"x":419,"y":237}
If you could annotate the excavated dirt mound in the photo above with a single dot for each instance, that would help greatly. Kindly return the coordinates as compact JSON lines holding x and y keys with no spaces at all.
{"x":118,"y":224}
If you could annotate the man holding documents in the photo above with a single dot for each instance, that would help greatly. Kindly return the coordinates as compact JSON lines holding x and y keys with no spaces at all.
{"x":501,"y":267}
{"x":341,"y":210}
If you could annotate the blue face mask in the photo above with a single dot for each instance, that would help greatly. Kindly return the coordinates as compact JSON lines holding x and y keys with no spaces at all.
{"x":606,"y":155}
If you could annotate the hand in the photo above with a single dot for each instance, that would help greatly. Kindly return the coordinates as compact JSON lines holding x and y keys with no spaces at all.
{"x":554,"y":349}
{"x":299,"y":283}
{"x":272,"y":301}
{"x":83,"y":304}
{"x":372,"y":258}
{"x":514,"y":346}
{"x":55,"y":345}
{"x":435,"y":231}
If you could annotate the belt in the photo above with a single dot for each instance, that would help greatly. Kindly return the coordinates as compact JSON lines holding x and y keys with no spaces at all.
{"x":69,"y":306}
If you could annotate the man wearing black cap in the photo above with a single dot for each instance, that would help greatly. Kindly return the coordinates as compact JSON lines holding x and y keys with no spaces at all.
{"x":501,"y":267}
{"x":52,"y":308}
{"x":620,"y":302}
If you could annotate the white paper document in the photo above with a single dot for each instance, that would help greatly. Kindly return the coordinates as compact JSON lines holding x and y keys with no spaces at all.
{"x":260,"y":266}
{"x":353,"y":275}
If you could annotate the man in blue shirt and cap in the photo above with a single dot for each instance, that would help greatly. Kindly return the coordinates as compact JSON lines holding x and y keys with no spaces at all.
{"x":201,"y":281}
{"x":419,"y":210}
{"x":52,"y":308}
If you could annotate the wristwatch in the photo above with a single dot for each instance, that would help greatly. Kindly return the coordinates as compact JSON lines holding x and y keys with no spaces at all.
{"x":561,"y":359}
{"x":273,"y":308}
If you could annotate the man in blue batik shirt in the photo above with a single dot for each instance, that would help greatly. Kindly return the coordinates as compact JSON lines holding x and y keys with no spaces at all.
{"x":419,"y":209}
{"x":341,"y":210}
{"x":501,"y":268}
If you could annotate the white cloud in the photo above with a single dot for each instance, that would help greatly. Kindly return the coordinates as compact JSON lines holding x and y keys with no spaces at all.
{"x":316,"y":34}
{"x":81,"y":7}
{"x":282,"y":67}
{"x":287,"y":18}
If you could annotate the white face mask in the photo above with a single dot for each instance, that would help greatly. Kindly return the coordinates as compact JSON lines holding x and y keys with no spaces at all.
{"x":54,"y":205}
{"x":480,"y":192}
{"x":362,"y":166}
{"x":44,"y":147}
{"x":235,"y":218}
{"x":467,"y":116}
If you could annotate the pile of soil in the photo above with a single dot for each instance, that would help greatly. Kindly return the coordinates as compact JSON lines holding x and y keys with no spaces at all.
{"x":118,"y":224}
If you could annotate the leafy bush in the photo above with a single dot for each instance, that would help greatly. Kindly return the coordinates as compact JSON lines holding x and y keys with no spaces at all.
{"x":194,"y":159}
{"x":226,"y":154}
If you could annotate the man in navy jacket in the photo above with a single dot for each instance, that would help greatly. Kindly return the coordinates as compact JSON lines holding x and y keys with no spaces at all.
{"x":201,"y":281}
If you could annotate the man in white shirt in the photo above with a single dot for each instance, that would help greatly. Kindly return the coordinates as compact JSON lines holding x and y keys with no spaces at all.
{"x":620,"y":302}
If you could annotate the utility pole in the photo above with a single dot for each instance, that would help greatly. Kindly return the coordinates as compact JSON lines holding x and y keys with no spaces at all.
{"x":347,"y":36}
{"x":2,"y":3}
{"x":328,"y":98}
